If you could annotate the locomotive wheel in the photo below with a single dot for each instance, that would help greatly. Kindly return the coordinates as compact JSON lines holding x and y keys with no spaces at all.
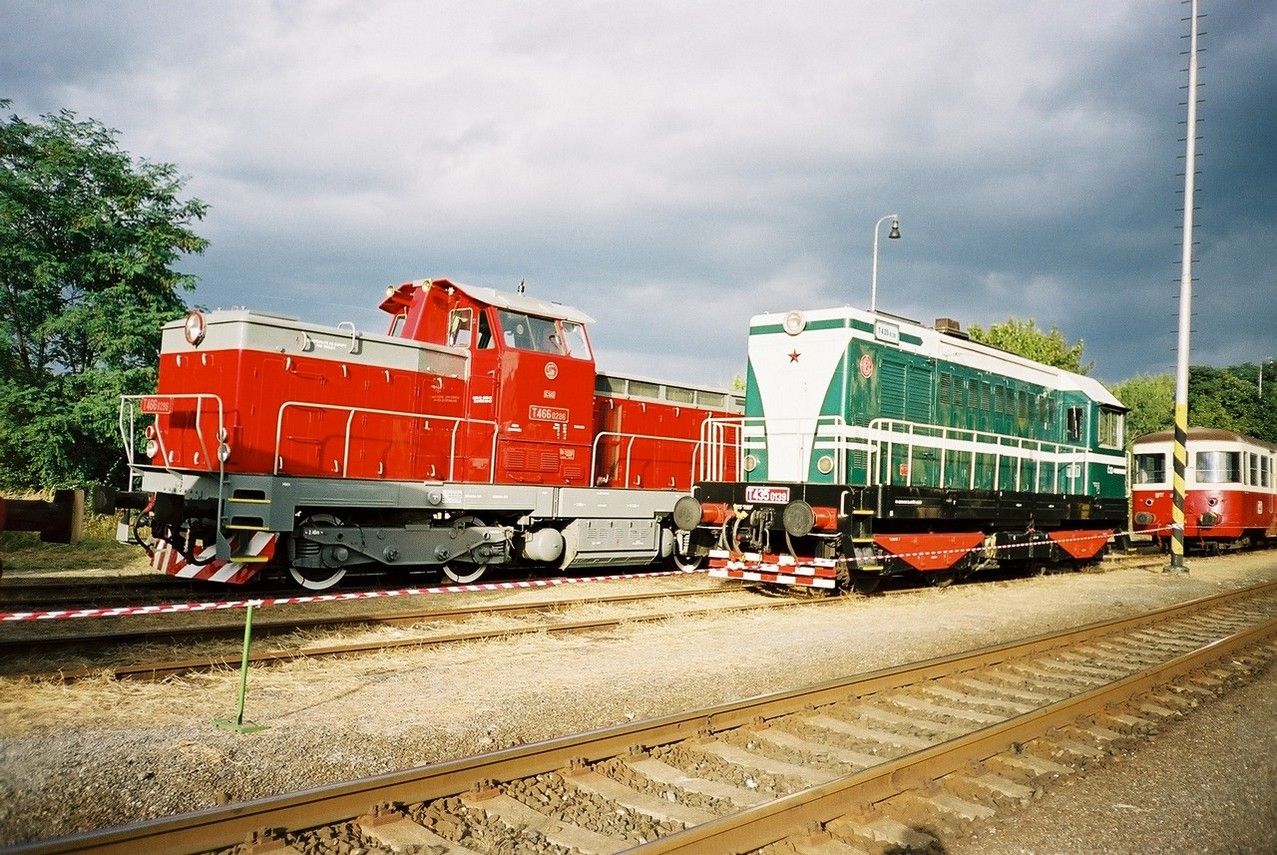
{"x":467,"y":575}
{"x":865,"y":583}
{"x":314,"y":578}
{"x":687,"y":563}
{"x":941,"y":578}
{"x":463,"y":572}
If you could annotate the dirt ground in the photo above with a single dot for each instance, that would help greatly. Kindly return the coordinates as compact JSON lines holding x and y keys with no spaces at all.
{"x":97,"y":753}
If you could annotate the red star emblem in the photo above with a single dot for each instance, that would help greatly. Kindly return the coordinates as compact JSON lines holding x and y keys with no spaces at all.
{"x":794,"y":354}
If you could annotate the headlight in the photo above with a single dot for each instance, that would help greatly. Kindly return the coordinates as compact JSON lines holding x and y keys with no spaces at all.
{"x":825,"y":464}
{"x":152,"y":448}
{"x":750,"y":463}
{"x":195,"y":327}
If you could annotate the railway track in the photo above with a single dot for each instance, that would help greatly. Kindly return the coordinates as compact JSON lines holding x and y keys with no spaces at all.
{"x":34,"y":594}
{"x":45,"y":647}
{"x":39,"y":648}
{"x":853,"y":765}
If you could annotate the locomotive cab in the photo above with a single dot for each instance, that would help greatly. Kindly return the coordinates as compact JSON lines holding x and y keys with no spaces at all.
{"x":531,"y":377}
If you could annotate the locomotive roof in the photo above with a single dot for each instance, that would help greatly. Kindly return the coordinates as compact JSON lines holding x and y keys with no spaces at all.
{"x":515,"y":302}
{"x":963,"y":351}
{"x":1200,"y":434}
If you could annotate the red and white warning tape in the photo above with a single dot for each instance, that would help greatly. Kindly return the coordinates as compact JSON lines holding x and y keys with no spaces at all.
{"x":222,"y":605}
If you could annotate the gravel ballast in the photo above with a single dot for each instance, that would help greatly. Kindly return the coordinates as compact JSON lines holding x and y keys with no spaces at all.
{"x":99,"y":752}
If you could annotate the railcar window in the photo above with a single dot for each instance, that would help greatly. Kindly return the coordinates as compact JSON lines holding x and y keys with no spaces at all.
{"x":1111,"y":428}
{"x":1217,"y":467}
{"x":578,"y":346}
{"x":485,"y":331}
{"x":1264,"y":471}
{"x":1150,"y":468}
{"x":1254,"y":469}
{"x":459,"y":322}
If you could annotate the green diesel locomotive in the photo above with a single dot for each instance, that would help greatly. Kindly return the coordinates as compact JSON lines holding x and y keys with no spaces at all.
{"x":873,"y":445}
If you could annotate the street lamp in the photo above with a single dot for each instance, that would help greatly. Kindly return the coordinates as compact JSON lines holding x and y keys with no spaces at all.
{"x":894,"y":234}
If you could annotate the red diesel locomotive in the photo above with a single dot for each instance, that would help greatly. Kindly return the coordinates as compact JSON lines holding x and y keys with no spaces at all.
{"x":1230,"y":496}
{"x":476,"y":432}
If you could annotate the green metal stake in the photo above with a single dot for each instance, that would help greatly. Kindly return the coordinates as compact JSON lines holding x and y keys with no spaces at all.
{"x":238,"y":724}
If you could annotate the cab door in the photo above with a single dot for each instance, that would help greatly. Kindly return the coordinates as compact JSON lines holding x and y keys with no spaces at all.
{"x":471,"y":327}
{"x":545,"y":397}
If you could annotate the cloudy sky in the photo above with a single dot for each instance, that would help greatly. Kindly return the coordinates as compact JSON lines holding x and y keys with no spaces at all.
{"x":674,"y":168}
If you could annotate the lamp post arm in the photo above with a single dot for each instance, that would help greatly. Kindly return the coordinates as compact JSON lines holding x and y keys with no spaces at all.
{"x":873,"y":274}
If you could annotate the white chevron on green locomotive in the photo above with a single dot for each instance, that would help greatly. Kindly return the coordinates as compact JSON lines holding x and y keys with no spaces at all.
{"x":873,"y":445}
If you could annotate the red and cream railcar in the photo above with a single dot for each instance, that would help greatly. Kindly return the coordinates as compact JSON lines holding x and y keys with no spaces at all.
{"x":1230,"y":483}
{"x":476,"y":432}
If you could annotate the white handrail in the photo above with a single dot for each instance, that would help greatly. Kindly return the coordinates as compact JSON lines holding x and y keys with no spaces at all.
{"x":975,"y":442}
{"x":714,"y":430}
{"x":353,"y":410}
{"x":629,"y":451}
{"x":128,"y":435}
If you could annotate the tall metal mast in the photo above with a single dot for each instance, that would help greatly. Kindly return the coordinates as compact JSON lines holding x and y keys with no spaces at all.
{"x":1185,"y":306}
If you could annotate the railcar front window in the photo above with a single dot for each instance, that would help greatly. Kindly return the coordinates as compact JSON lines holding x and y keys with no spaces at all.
{"x":1150,"y":468}
{"x":1217,"y":467}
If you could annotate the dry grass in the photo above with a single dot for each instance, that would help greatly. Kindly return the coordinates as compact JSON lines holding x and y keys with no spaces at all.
{"x":23,"y":551}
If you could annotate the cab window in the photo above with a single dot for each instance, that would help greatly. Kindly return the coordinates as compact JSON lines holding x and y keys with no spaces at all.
{"x":459,"y":327}
{"x":528,"y":332}
{"x":1110,"y":428}
{"x":515,"y":330}
{"x":396,"y":325}
{"x":575,"y":343}
{"x":1074,"y":426}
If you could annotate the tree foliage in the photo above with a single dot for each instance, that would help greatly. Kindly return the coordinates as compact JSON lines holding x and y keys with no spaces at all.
{"x":1227,"y":398}
{"x":88,"y":242}
{"x":1024,"y":338}
{"x":1152,"y":402}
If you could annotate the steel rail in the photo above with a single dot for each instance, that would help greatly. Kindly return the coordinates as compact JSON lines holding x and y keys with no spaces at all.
{"x":784,"y":817}
{"x":325,"y":805}
{"x":278,"y":626}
